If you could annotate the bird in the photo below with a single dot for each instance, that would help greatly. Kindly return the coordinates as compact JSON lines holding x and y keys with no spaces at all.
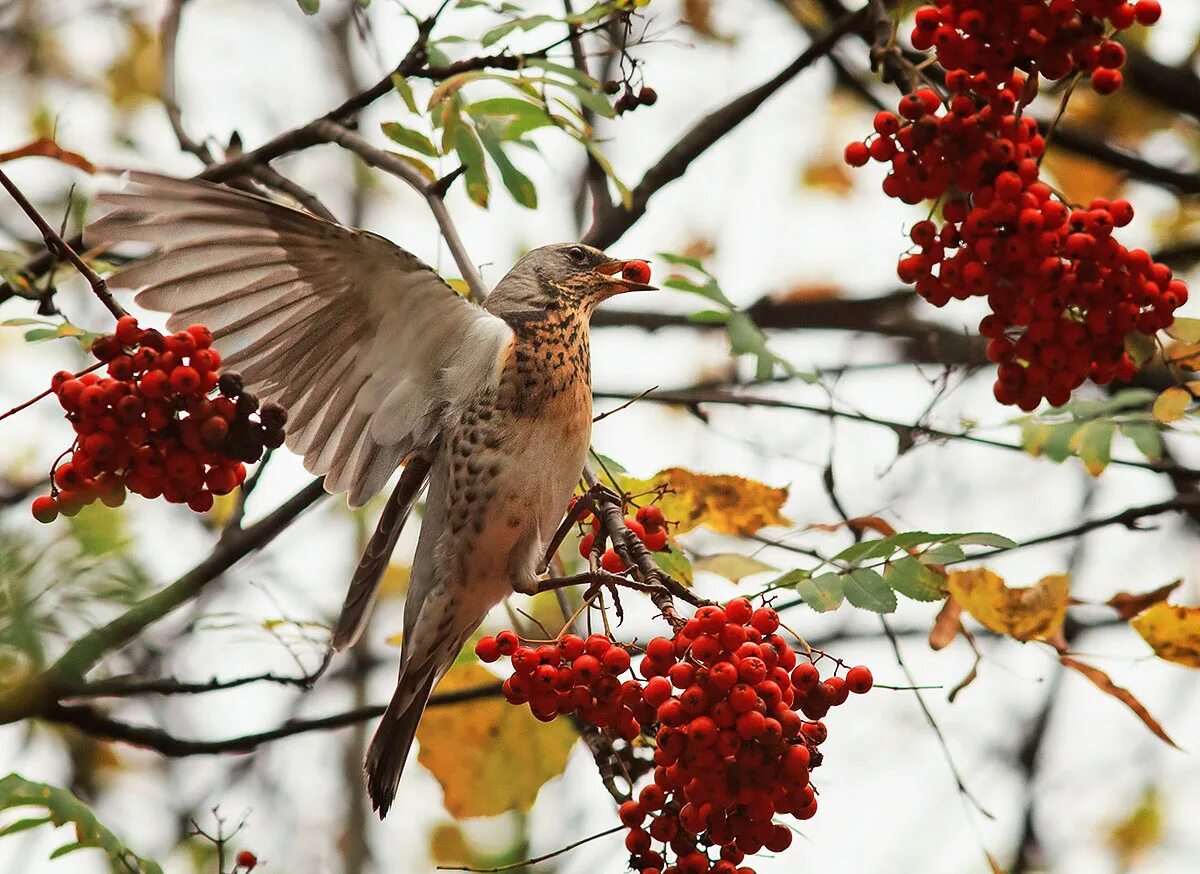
{"x":382,"y":365}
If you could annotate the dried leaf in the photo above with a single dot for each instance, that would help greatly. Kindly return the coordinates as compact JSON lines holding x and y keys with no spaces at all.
{"x":1033,"y":613}
{"x":947,"y":625}
{"x":725,"y":503}
{"x":1105,"y":684}
{"x":1130,"y":605}
{"x":1173,"y":632}
{"x":489,"y":756}
{"x":44,"y":147}
{"x":697,"y":14}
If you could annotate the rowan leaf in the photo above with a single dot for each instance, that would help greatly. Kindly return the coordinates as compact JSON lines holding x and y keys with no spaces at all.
{"x":1173,"y":632}
{"x":822,"y":593}
{"x":915,"y":580}
{"x":64,"y":808}
{"x":1172,"y":404}
{"x":1129,"y":605}
{"x":1185,"y":330}
{"x":733,"y":566}
{"x":1033,"y":613}
{"x":1093,"y":444}
{"x":867,"y":590}
{"x":675,"y":563}
{"x":408,"y":138}
{"x":725,"y":503}
{"x":947,"y":625}
{"x":489,"y":756}
{"x":1104,"y":683}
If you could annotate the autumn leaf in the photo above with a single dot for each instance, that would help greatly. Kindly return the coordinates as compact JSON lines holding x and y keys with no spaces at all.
{"x":947,"y":625}
{"x":732,"y":566}
{"x":1032,"y":613}
{"x":1129,"y":605}
{"x":1173,"y":632}
{"x":489,"y":756}
{"x":1172,"y":404}
{"x":1141,"y":831}
{"x":136,"y":76}
{"x":725,"y":503}
{"x":1104,"y":683}
{"x":44,"y":147}
{"x":697,"y":14}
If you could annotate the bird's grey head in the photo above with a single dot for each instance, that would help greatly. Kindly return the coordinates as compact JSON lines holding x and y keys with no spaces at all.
{"x":562,"y":276}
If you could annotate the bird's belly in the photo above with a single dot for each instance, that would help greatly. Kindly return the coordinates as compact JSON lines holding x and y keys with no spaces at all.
{"x":529,"y":495}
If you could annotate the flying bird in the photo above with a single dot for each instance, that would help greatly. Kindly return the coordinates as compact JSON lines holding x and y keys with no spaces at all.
{"x":381,"y":364}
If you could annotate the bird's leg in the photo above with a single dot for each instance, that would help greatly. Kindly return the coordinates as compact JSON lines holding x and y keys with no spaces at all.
{"x":587,"y":503}
{"x":595,"y":580}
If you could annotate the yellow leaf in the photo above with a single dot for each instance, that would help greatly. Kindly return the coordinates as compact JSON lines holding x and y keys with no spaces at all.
{"x":1139,"y":832}
{"x":448,"y":845}
{"x":1185,"y":355}
{"x":733,"y":566}
{"x":725,"y":503}
{"x":136,"y":76}
{"x":1173,"y":632}
{"x":395,"y":581}
{"x":1033,"y":613}
{"x":1172,"y":404}
{"x":222,"y":508}
{"x":489,"y":756}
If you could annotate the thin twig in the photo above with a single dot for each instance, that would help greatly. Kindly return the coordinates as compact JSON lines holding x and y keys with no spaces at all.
{"x":536,"y":859}
{"x":58,"y":247}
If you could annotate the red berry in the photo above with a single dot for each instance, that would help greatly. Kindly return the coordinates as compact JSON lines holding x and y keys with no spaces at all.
{"x":612,"y":562}
{"x":616,"y":660}
{"x":246,"y":859}
{"x":857,"y":154}
{"x":651,"y":517}
{"x":1147,"y":12}
{"x":45,"y":509}
{"x":636,"y":271}
{"x":655,"y":540}
{"x":636,"y":527}
{"x":585,"y":545}
{"x":487,"y":649}
{"x":859,"y":679}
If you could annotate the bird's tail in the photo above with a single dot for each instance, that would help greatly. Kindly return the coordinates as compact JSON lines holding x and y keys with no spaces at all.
{"x":394,"y":737}
{"x":364,"y":586}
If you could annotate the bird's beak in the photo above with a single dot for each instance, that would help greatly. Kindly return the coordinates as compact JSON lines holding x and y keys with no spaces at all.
{"x":611,"y":271}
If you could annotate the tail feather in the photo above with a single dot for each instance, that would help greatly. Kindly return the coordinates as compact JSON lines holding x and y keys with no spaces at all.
{"x":364,"y":586}
{"x":393,"y":738}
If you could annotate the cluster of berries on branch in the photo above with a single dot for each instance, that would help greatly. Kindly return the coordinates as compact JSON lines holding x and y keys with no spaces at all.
{"x":649,"y":526}
{"x":162,"y":422}
{"x":732,"y":713}
{"x":1064,"y":293}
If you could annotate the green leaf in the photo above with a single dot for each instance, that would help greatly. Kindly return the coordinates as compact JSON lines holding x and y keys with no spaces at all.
{"x":520,"y":115}
{"x":63,"y":809}
{"x":20,"y":323}
{"x":947,"y":553}
{"x":746,"y":338}
{"x":309,"y":7}
{"x":675,"y":563}
{"x":708,"y":317}
{"x":710,"y":290}
{"x":23,"y":824}
{"x":405,"y":91}
{"x":608,"y":463}
{"x":517,"y":183}
{"x":38,"y":334}
{"x":980,"y":538}
{"x":451,"y":86}
{"x":408,"y":138}
{"x":417,"y":164}
{"x":1093,"y":444}
{"x":914,"y":580}
{"x":1146,"y":437}
{"x":606,"y":166}
{"x":823,"y":593}
{"x":596,"y":101}
{"x":1186,"y":330}
{"x":578,"y":77}
{"x":732,"y":565}
{"x":1141,"y":348}
{"x":523,"y":24}
{"x":470,"y":152}
{"x":1058,"y":443}
{"x":868,"y":590}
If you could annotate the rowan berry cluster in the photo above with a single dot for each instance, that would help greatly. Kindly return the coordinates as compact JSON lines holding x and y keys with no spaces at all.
{"x":649,"y":526}
{"x":1063,"y":292}
{"x":732,"y":712}
{"x":1056,"y":39}
{"x":150,"y":425}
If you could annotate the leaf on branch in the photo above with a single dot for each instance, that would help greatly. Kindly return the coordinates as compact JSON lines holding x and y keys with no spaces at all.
{"x":725,"y":503}
{"x":1093,"y":444}
{"x":867,"y":590}
{"x":408,"y":138}
{"x":1184,"y":330}
{"x":489,"y":756}
{"x":1129,"y":605}
{"x":947,"y":626}
{"x":470,"y":152}
{"x":822,"y":593}
{"x":1033,"y":613}
{"x":517,"y":183}
{"x":44,"y":147}
{"x":1173,"y":632}
{"x":915,"y":580}
{"x":733,"y":566}
{"x":1172,"y":404}
{"x":675,"y":564}
{"x":136,"y":76}
{"x":1104,"y":683}
{"x":63,"y":808}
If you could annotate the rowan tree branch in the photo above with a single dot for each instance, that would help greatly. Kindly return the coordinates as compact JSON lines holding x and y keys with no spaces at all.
{"x":615,"y":219}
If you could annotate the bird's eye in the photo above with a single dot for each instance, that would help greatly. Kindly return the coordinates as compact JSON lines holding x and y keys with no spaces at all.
{"x":577,"y":255}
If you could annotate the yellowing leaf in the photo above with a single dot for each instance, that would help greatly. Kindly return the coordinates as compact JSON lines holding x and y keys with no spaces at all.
{"x":448,"y":845}
{"x":1033,"y":613}
{"x":489,"y":756}
{"x":1185,"y":355}
{"x":1172,"y":404}
{"x":1129,"y":605}
{"x":1139,"y":832}
{"x":1173,"y":632}
{"x":732,"y":566}
{"x":725,"y":503}
{"x":136,"y":76}
{"x":395,"y":581}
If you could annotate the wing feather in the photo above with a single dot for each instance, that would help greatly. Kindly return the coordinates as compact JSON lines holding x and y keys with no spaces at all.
{"x":361,"y":341}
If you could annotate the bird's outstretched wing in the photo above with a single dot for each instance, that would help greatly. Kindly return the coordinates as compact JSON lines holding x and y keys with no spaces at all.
{"x":360,"y":341}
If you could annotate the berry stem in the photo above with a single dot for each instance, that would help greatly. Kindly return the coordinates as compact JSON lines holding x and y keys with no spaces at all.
{"x":33,"y":400}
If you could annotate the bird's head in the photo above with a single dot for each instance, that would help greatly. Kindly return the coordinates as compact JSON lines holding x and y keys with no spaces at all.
{"x":563,"y":276}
